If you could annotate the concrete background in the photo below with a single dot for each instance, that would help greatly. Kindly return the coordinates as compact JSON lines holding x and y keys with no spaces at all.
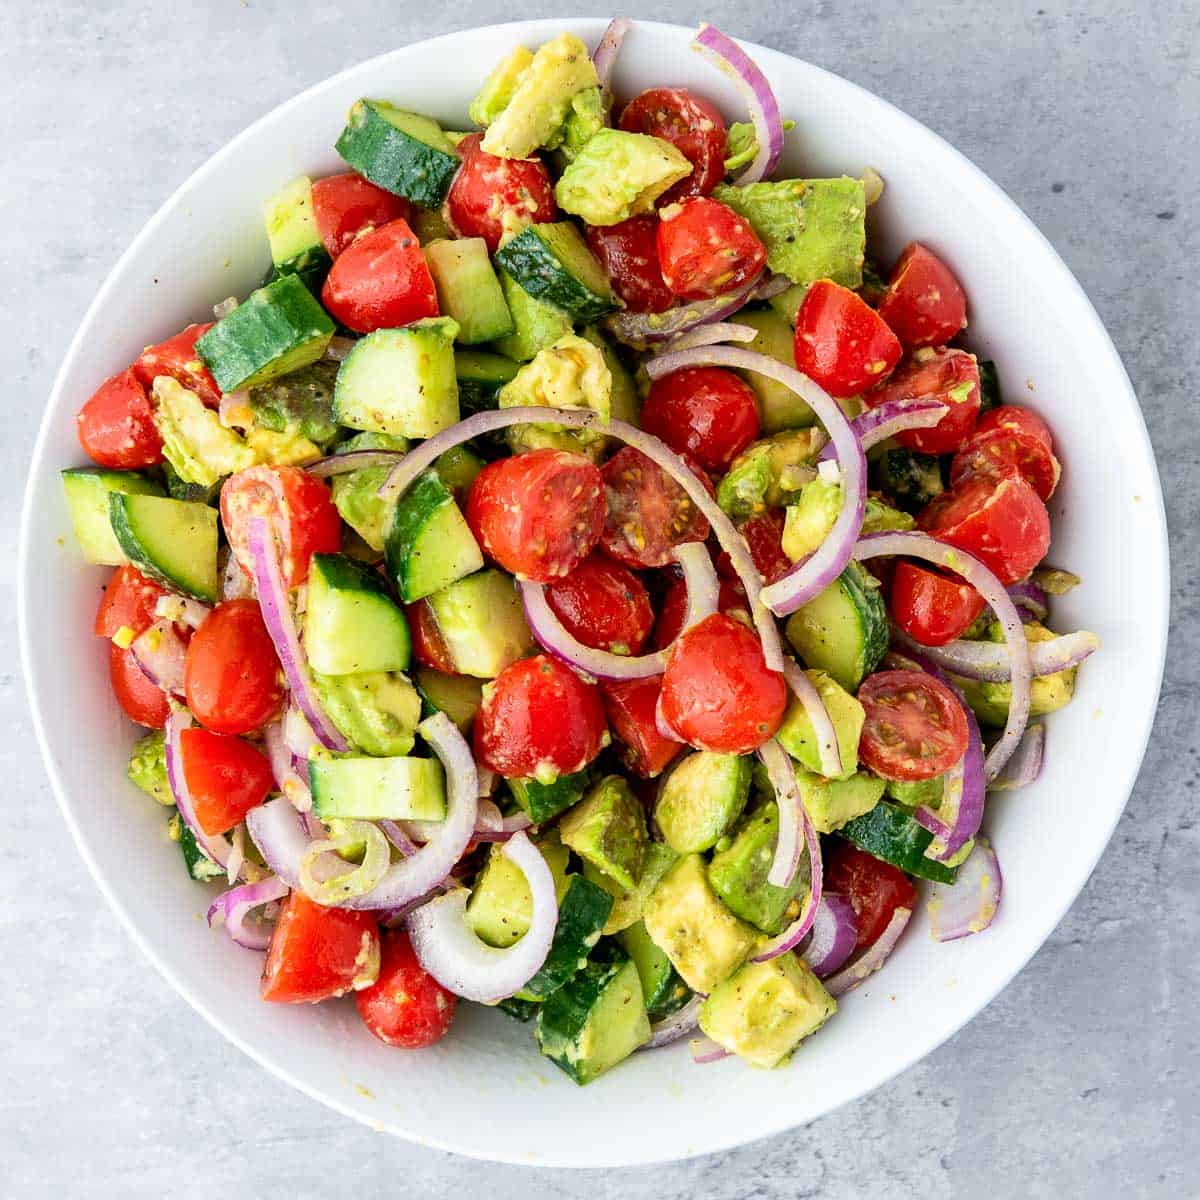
{"x":1081,"y":1079}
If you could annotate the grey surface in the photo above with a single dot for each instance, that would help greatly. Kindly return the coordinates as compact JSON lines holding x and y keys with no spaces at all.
{"x":1080,"y":1080}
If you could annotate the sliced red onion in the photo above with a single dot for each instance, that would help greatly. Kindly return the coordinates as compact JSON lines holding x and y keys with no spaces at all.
{"x":834,"y":931}
{"x":283,"y":766}
{"x":727,"y":535}
{"x":678,"y":1024}
{"x":398,"y":836}
{"x":710,"y":335}
{"x":733,"y":61}
{"x":217,"y":848}
{"x":234,"y":583}
{"x":773,"y":285}
{"x":237,"y":855}
{"x":234,"y":410}
{"x":453,"y":954}
{"x":606,"y":52}
{"x":641,"y":330}
{"x":872,"y":958}
{"x":487,"y":781}
{"x":969,"y":904}
{"x":183,"y":610}
{"x":991,"y":662}
{"x":516,"y":822}
{"x":161,"y":653}
{"x":354,"y":460}
{"x":705,"y":1050}
{"x":921,"y":545}
{"x":298,"y":735}
{"x":1033,"y":599}
{"x":235,"y":905}
{"x":878,"y":424}
{"x":702,"y":594}
{"x":395,"y":918}
{"x":339,"y":348}
{"x":828,"y":751}
{"x":281,"y":625}
{"x":1026,"y":763}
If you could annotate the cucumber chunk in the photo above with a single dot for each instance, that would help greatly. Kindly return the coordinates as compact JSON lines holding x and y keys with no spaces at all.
{"x":171,"y":541}
{"x":429,"y":544}
{"x":536,"y":323}
{"x":889,"y":833}
{"x":375,"y":789}
{"x":481,"y":375}
{"x":87,"y":490}
{"x":582,"y":912}
{"x":553,"y":263}
{"x":468,"y":289}
{"x":482,"y":623}
{"x":296,"y":245}
{"x":544,"y":801}
{"x":662,"y":988}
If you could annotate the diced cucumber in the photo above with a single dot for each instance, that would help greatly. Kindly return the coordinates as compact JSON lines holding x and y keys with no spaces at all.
{"x":482,"y":623}
{"x":356,"y":493}
{"x":182,"y":489}
{"x":278,"y":329}
{"x":399,"y":151}
{"x":553,"y":263}
{"x":351,"y":624}
{"x":468,"y":289}
{"x":481,"y":375}
{"x":629,"y":902}
{"x":544,"y":801}
{"x":843,"y":630}
{"x":400,"y":381}
{"x":889,"y":833}
{"x":520,"y":1010}
{"x":989,"y":386}
{"x":458,"y":469}
{"x":429,"y":224}
{"x":429,"y":544}
{"x":908,"y":477}
{"x":87,"y":490}
{"x":458,"y":696}
{"x":296,"y":246}
{"x":501,"y":904}
{"x":375,"y":789}
{"x":536,"y":323}
{"x":582,"y":912}
{"x":596,"y":1019}
{"x":701,"y":798}
{"x":172,"y":541}
{"x":198,"y":865}
{"x":662,"y":988}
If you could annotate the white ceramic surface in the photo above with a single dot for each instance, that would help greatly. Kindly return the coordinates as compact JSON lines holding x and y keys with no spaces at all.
{"x":485,"y":1091}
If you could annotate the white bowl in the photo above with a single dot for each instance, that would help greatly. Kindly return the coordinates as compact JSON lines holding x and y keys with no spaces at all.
{"x":485,"y":1091}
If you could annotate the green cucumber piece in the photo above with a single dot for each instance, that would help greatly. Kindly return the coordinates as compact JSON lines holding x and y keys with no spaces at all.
{"x":468,"y":289}
{"x":582,"y":912}
{"x":501,"y":905}
{"x":908,"y":477}
{"x":989,"y":386}
{"x":553,"y":263}
{"x":520,"y":1010}
{"x":536,"y":323}
{"x":662,"y":988}
{"x":544,"y":801}
{"x":375,"y":789}
{"x":87,"y":490}
{"x":482,"y":623}
{"x":296,"y":246}
{"x":171,"y":541}
{"x":429,"y":544}
{"x":889,"y":833}
{"x":198,"y":865}
{"x":481,"y":375}
{"x":458,"y":696}
{"x":181,"y":489}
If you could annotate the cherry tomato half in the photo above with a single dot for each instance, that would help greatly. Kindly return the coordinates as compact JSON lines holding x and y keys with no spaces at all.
{"x":707,"y":412}
{"x":128,"y":602}
{"x":537,"y":514}
{"x":116,"y":426}
{"x":628,"y":252}
{"x":1016,"y":419}
{"x":428,"y":646}
{"x":923,"y":304}
{"x":177,"y":357}
{"x":930,"y":607}
{"x":692,"y":125}
{"x":380,"y":281}
{"x":717,"y":693}
{"x":841,"y":342}
{"x":731,"y":598}
{"x":346,"y":205}
{"x":539,"y":718}
{"x":764,"y":538}
{"x":405,"y":1006}
{"x":226,"y":777}
{"x":142,"y":701}
{"x":915,"y":727}
{"x":706,"y":249}
{"x":631,"y":706}
{"x":948,"y":376}
{"x":603,"y":605}
{"x":874,"y":888}
{"x":1001,"y":450}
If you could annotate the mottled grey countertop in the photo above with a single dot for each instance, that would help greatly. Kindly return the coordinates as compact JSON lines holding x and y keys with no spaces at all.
{"x":1082,"y":1079}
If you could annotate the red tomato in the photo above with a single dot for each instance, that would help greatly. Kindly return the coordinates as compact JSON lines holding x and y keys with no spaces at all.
{"x":143,"y":701}
{"x":493,"y":198}
{"x":1016,"y":419}
{"x":226,"y":777}
{"x":692,"y":125}
{"x":405,"y":1006}
{"x":631,"y":706}
{"x":999,"y":519}
{"x":764,"y":536}
{"x":428,"y":645}
{"x":949,"y":376}
{"x":648,"y":513}
{"x":231,"y":675}
{"x":380,"y":281}
{"x":116,"y":426}
{"x":717,"y":693}
{"x":930,"y":607}
{"x":539,"y":718}
{"x":706,"y":412}
{"x":628,"y":252}
{"x":129,"y":600}
{"x":841,"y":342}
{"x":730,"y":599}
{"x":706,"y":249}
{"x":177,"y":357}
{"x":298,"y":508}
{"x":346,"y":205}
{"x":924,"y":304}
{"x":1001,"y":450}
{"x":317,"y":953}
{"x":603,"y":605}
{"x":915,"y":726}
{"x":537,"y":514}
{"x":875,"y":889}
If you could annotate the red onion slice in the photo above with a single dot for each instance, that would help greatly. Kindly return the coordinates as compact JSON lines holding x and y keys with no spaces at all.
{"x":354,"y":460}
{"x":667,"y":730}
{"x":641,"y":330}
{"x":398,"y":836}
{"x":183,"y":610}
{"x":1026,"y":763}
{"x":878,"y":424}
{"x":1031,"y":598}
{"x":217,"y":848}
{"x":678,"y":1024}
{"x":872,"y":958}
{"x":969,"y":904}
{"x":991,"y":662}
{"x":288,"y":779}
{"x":161,"y":653}
{"x":830,"y":755}
{"x":710,"y":335}
{"x":705,"y":1050}
{"x":605,"y":55}
{"x":773,"y":285}
{"x":453,"y":954}
{"x":281,"y":625}
{"x":733,"y":61}
{"x":834,"y":931}
{"x":235,"y":905}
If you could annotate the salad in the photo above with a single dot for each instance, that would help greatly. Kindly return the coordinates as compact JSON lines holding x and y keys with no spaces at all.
{"x":579,"y":579}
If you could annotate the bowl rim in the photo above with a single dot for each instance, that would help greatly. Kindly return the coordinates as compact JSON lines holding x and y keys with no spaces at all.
{"x":1063,"y":281}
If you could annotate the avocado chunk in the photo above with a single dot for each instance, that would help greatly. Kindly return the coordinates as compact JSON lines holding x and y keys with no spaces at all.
{"x":705,"y":942}
{"x":617,"y":175}
{"x":812,"y":228}
{"x":355,"y":494}
{"x":148,"y":767}
{"x":1048,"y":693}
{"x":662,"y":988}
{"x":501,"y":904}
{"x":832,"y":803}
{"x":585,"y":118}
{"x":499,"y":86}
{"x":770,"y":473}
{"x":629,"y":902}
{"x":917,"y":793}
{"x":195,"y":442}
{"x":738,"y":873}
{"x":810,"y":518}
{"x":624,"y":402}
{"x":701,"y":798}
{"x":778,"y":406}
{"x":765,"y":1010}
{"x":846,"y":713}
{"x":300,"y":403}
{"x":608,"y":829}
{"x":376,"y":711}
{"x":880,"y":516}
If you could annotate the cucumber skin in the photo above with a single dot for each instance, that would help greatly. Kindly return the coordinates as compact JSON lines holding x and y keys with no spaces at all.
{"x":531,"y":262}
{"x":413,"y":512}
{"x":890,"y":834}
{"x":544,"y":801}
{"x":127,"y":539}
{"x":581,"y":917}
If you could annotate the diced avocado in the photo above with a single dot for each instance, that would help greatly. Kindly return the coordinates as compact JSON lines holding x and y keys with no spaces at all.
{"x":501,"y":904}
{"x":596,"y":1019}
{"x":705,"y":942}
{"x":482,"y":623}
{"x":1048,"y":693}
{"x":738,"y":873}
{"x":624,"y":404}
{"x":429,"y":544}
{"x":355,"y":494}
{"x":544,"y":801}
{"x":812,"y":228}
{"x":846,"y":713}
{"x":662,"y":988}
{"x":582,"y":911}
{"x":778,"y":406}
{"x":377,"y":711}
{"x":1055,"y":580}
{"x":629,"y":902}
{"x":536,"y":323}
{"x":374,"y":789}
{"x":585,"y":118}
{"x":148,"y":767}
{"x":881,"y":516}
{"x":608,"y":829}
{"x":540,"y":99}
{"x":917,"y":793}
{"x":195,"y":442}
{"x":907,"y":477}
{"x":764,"y":1011}
{"x":351,"y":624}
{"x":891,"y":834}
{"x":701,"y":798}
{"x":458,"y":696}
{"x":458,"y":469}
{"x":87,"y":491}
{"x":499,"y":86}
{"x":787,"y":303}
{"x":617,"y":175}
{"x":299,"y":403}
{"x":570,"y":374}
{"x":810,"y":518}
{"x":832,"y":803}
{"x":770,"y":473}
{"x":429,"y":224}
{"x":281,"y":449}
